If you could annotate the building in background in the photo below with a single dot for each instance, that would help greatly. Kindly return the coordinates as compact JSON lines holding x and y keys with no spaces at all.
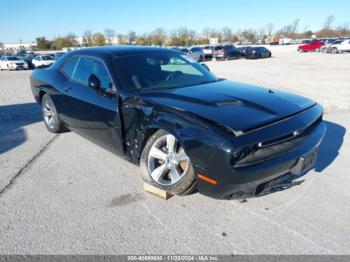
{"x":17,"y":47}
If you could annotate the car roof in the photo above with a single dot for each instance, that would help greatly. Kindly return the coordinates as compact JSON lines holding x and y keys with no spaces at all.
{"x":120,"y":50}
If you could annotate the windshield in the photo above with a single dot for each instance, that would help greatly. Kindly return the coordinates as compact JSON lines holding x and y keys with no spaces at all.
{"x":12,"y":58}
{"x":161,"y":71}
{"x":46,"y":57}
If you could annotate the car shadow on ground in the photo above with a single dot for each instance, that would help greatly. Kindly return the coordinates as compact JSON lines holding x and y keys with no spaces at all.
{"x":12,"y":120}
{"x":328,"y":152}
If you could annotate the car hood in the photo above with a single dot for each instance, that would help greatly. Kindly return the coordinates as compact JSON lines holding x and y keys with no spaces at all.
{"x":234,"y":105}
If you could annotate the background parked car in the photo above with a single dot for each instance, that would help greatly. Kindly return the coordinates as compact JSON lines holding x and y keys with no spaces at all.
{"x":57,"y":55}
{"x":243,"y":50}
{"x":258,"y":52}
{"x":41,"y":61}
{"x":12,"y":63}
{"x":328,"y":44}
{"x":28,"y":59}
{"x":226,"y":52}
{"x":311,"y":46}
{"x":341,"y":46}
{"x":196,"y":53}
{"x":208,"y":52}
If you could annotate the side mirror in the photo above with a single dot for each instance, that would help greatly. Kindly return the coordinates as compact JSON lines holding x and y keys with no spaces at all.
{"x":205,"y":66}
{"x":94,"y":82}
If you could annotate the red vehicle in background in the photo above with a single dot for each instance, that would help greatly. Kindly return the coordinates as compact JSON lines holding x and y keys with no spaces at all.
{"x":311,"y":46}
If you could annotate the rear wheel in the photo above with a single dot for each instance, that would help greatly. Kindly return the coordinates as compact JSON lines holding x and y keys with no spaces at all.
{"x":51,"y":119}
{"x":300,"y":50}
{"x":334,"y":50}
{"x":165,"y":164}
{"x":201,"y":58}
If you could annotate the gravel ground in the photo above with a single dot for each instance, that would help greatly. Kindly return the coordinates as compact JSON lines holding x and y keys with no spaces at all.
{"x":64,"y":195}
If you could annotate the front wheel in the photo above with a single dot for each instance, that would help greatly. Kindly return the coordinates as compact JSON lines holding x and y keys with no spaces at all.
{"x":165,"y":164}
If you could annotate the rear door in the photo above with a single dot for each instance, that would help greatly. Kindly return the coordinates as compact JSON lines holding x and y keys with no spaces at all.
{"x":89,"y":112}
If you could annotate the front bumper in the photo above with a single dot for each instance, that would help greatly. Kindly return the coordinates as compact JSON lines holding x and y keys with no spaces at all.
{"x":17,"y":66}
{"x":242,"y":182}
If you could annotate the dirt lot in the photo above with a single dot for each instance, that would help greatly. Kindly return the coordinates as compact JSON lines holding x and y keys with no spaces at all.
{"x":64,"y":195}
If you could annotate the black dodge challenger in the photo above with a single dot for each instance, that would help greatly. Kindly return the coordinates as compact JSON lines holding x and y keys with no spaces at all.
{"x":185,"y":127}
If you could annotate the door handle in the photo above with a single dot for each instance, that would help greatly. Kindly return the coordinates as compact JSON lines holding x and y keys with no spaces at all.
{"x":67,"y":89}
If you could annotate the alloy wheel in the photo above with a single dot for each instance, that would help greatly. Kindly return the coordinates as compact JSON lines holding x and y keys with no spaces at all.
{"x":49,"y":114}
{"x":167,"y":161}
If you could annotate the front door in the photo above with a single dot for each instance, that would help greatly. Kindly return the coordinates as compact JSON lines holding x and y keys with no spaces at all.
{"x":89,"y":112}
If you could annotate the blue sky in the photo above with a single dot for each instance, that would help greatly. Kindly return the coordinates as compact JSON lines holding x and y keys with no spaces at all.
{"x":25,"y":19}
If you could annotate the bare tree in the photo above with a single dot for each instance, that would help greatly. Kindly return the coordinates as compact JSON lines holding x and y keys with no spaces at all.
{"x":87,"y":38}
{"x":269,"y":28}
{"x":226,"y":34}
{"x":109,"y":34}
{"x":132,"y":37}
{"x":328,"y":23}
{"x":158,"y":36}
{"x":294,"y":26}
{"x":206,"y":32}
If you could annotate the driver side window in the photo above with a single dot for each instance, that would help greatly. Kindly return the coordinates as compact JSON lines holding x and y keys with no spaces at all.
{"x":88,"y":66}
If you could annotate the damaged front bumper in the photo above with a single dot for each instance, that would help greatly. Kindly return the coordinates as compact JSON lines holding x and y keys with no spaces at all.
{"x":249,"y":180}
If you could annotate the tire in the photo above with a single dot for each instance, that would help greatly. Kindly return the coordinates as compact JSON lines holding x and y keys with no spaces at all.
{"x":334,"y":50}
{"x":50,"y":116}
{"x":8,"y":68}
{"x":300,"y":50}
{"x":164,"y":168}
{"x":201,"y":59}
{"x":324,"y":50}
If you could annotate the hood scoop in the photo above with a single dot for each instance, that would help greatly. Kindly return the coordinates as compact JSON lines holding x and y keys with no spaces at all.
{"x":231,"y":102}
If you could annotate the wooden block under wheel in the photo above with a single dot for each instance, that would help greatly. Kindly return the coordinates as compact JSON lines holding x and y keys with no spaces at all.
{"x":156,"y":191}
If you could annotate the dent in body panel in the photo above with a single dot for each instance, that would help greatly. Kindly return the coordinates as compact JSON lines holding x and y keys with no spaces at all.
{"x":140,"y":121}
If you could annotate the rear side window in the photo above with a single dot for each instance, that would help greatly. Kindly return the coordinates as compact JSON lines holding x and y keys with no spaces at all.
{"x":69,"y":67}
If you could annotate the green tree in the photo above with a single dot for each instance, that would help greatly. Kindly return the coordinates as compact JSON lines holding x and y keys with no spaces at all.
{"x":66,"y":41}
{"x":43,"y":44}
{"x":99,"y":39}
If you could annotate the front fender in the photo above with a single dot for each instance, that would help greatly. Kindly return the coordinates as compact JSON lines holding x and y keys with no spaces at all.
{"x":199,"y":139}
